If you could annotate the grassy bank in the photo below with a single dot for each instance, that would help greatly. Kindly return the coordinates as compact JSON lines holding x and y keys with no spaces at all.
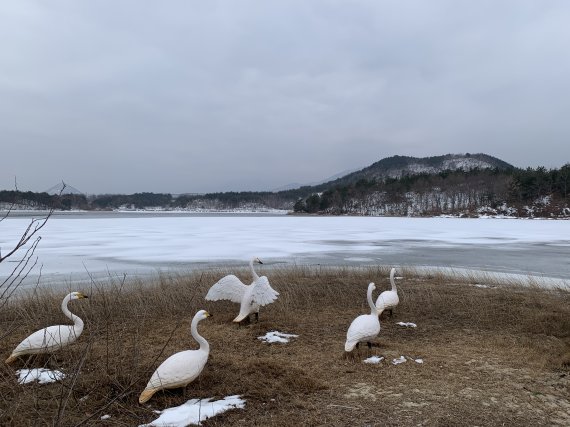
{"x":496,"y":355}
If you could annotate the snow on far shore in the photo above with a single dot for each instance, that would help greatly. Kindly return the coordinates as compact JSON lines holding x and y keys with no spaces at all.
{"x":41,"y":375}
{"x":206,"y":211}
{"x":194,"y":411}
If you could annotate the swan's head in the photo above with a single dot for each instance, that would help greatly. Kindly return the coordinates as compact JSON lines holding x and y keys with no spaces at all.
{"x":371,"y":286}
{"x":77,"y":295}
{"x":257,"y":260}
{"x":202,"y":314}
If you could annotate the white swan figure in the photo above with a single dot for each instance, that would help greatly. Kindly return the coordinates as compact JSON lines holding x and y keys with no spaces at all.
{"x":388,"y":300}
{"x":250,"y":297}
{"x":365,"y":327}
{"x":52,"y":338}
{"x":181,"y":368}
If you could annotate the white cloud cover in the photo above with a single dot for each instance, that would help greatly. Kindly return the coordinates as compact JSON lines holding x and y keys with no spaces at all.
{"x":194,"y":97}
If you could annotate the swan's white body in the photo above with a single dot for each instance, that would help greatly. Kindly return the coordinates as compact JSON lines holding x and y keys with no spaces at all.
{"x":181,"y":368}
{"x":388,"y":300}
{"x":52,"y":338}
{"x":250,"y":297}
{"x":365,"y":327}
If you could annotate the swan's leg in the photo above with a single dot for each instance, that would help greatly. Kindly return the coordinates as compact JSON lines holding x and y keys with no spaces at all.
{"x":257,"y":316}
{"x":391,"y":313}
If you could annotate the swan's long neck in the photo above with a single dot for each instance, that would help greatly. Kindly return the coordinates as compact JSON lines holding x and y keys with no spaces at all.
{"x":370,"y":301}
{"x":392,"y":280}
{"x":253,"y":273}
{"x":77,"y":322}
{"x":199,"y":338}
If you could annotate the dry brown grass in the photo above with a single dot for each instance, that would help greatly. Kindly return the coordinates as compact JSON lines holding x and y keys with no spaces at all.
{"x":492,"y":356}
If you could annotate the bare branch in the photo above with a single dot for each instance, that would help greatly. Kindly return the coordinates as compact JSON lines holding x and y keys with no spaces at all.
{"x":25,"y":264}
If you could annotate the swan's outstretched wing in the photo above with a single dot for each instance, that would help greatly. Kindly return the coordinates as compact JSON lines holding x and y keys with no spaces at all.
{"x":228,"y":287}
{"x":263,"y":293}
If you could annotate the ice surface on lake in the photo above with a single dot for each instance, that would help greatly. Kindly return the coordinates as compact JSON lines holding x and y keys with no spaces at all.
{"x":194,"y":411}
{"x":41,"y":375}
{"x":276,"y":336}
{"x":146,"y":243}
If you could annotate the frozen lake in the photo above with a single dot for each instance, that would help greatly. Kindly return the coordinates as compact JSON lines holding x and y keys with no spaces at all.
{"x":141,"y":243}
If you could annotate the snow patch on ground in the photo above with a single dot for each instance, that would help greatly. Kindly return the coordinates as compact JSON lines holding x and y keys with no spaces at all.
{"x":374,"y":360}
{"x":276,"y":336}
{"x":407,"y":324}
{"x":194,"y":411}
{"x":401,"y":359}
{"x":41,"y":375}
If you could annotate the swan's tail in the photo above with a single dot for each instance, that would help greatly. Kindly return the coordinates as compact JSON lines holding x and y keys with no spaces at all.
{"x":11,"y":358}
{"x":147,"y":394}
{"x":392,"y":271}
{"x":240,"y":317}
{"x":349,"y":345}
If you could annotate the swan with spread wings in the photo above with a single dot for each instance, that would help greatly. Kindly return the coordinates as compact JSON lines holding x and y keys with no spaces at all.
{"x":250,"y":297}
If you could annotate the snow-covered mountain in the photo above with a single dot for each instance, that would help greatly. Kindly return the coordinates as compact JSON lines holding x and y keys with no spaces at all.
{"x":399,"y":166}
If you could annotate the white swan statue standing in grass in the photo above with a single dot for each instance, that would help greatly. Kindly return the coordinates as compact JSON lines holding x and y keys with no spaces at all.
{"x":181,"y":368}
{"x":52,"y":338}
{"x":250,"y":297}
{"x":365,"y":327}
{"x":388,"y":300}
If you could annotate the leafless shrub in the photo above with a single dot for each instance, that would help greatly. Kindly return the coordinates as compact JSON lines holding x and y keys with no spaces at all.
{"x":28,"y":242}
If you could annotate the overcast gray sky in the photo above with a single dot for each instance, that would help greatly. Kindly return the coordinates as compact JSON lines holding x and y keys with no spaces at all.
{"x":200,"y":96}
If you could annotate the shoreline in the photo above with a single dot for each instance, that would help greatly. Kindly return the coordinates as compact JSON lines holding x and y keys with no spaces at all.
{"x":30,"y":213}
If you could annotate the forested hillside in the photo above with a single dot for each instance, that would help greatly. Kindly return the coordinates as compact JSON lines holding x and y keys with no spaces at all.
{"x":527,"y":193}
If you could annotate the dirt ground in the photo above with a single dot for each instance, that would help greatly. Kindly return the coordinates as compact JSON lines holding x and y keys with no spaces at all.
{"x":492,"y":355}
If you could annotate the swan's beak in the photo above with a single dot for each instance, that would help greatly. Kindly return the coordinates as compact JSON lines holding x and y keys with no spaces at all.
{"x":259,"y":261}
{"x":207,"y":314}
{"x":80,"y":295}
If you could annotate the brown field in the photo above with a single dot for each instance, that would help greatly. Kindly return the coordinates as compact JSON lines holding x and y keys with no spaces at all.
{"x":492,"y":356}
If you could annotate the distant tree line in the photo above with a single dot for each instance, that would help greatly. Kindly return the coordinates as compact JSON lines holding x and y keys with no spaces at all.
{"x":227,"y":200}
{"x":29,"y":199}
{"x":419,"y":194}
